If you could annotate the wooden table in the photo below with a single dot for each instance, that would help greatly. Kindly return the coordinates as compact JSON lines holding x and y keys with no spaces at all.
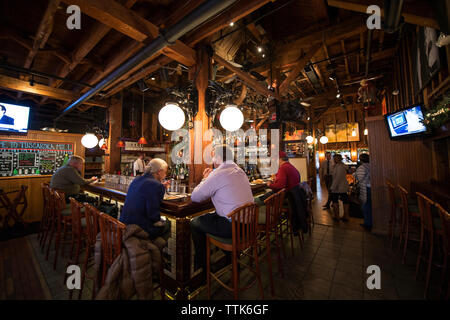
{"x":181,"y":280}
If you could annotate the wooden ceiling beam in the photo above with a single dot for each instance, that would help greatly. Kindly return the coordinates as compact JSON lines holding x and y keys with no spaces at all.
{"x":239,"y":10}
{"x":128,"y":22}
{"x":300,"y":65}
{"x":42,"y":90}
{"x":347,"y":70}
{"x":409,"y":17}
{"x":246,"y":78}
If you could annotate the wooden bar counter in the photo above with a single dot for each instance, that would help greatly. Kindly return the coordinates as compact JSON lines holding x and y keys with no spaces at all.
{"x":182,"y":281}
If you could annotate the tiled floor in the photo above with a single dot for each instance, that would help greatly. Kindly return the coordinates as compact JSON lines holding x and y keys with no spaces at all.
{"x":332,"y":265}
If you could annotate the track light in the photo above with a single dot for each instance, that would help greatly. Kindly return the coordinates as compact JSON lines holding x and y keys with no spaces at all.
{"x":231,"y":23}
{"x":259,"y":49}
{"x":338,"y":95}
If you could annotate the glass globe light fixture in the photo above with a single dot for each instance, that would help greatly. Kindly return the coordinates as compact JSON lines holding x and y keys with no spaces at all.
{"x":89,"y":140}
{"x":231,"y":118}
{"x":323,"y":139}
{"x":171,"y":116}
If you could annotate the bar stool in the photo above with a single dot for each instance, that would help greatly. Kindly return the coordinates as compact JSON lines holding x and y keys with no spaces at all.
{"x":78,"y":223}
{"x":410,"y":213}
{"x":395,"y":204}
{"x":287,"y":221}
{"x":243,"y":223}
{"x":445,"y":221}
{"x":268,"y":220}
{"x":45,"y":225}
{"x":111,"y":235}
{"x":92,"y":229}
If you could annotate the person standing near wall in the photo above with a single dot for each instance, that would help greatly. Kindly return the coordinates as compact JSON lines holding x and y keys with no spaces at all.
{"x":339,"y":188}
{"x":363,"y":176}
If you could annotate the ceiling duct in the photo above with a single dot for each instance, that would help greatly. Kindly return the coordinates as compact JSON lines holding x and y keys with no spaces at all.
{"x":314,"y":78}
{"x":392,"y":15}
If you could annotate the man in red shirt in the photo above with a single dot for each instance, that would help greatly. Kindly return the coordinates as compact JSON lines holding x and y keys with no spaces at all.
{"x":287,"y":176}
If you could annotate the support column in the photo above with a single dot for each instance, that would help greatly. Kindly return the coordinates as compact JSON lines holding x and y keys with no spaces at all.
{"x":202,"y":71}
{"x":112,"y":161}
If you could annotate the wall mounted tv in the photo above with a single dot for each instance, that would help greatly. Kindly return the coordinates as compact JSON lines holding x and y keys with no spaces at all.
{"x":406,"y":122}
{"x":13,"y":118}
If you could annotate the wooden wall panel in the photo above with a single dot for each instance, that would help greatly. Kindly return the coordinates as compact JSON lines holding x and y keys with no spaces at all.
{"x":401,"y":161}
{"x":34,"y":195}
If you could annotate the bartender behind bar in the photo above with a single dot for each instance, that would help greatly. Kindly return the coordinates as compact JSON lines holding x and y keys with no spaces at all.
{"x":139,"y":165}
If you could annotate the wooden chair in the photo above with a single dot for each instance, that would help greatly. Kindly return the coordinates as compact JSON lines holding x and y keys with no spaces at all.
{"x":287,"y":222}
{"x":46,"y":222}
{"x":11,"y":207}
{"x":92,"y":229}
{"x":78,"y":223}
{"x":410,"y":214}
{"x":111,"y":235}
{"x":394,"y":205}
{"x":243,"y":223}
{"x":268,"y":224}
{"x":445,"y":221}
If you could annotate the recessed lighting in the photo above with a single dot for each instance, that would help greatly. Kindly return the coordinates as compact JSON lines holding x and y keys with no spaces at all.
{"x":259,"y":49}
{"x":338,"y":95}
{"x":231,"y":23}
{"x":395,"y":92}
{"x":153,"y":78}
{"x":263,"y":55}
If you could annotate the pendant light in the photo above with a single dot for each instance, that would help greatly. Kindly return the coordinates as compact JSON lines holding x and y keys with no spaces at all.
{"x":231,"y":118}
{"x":171,"y":116}
{"x":309,"y":139}
{"x":89,"y":140}
{"x":323,"y":139}
{"x":142,"y":139}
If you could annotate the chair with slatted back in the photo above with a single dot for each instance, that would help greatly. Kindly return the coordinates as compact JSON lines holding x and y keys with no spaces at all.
{"x":11,"y":207}
{"x":78,"y":224}
{"x":111,"y":235}
{"x":410,"y":216}
{"x":92,"y":229}
{"x":243,"y":224}
{"x":45,"y":225}
{"x":445,"y":222}
{"x":268,"y":220}
{"x":394,"y":205}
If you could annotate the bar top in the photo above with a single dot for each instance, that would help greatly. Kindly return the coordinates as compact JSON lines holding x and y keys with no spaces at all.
{"x":179,"y":208}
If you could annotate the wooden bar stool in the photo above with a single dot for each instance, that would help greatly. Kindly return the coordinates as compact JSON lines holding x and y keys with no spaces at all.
{"x":78,"y":223}
{"x":111,"y":234}
{"x":445,"y":221}
{"x":92,"y":229}
{"x":268,"y":220}
{"x":243,"y":223}
{"x":410,"y":214}
{"x":46,"y":222}
{"x":394,"y":205}
{"x":287,"y":221}
{"x":11,"y":207}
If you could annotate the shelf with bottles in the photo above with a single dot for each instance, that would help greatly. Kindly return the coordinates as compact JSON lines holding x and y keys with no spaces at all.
{"x":296,"y":149}
{"x":179,"y":172}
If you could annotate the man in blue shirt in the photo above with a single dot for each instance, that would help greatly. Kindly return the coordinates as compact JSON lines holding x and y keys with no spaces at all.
{"x":142,"y":204}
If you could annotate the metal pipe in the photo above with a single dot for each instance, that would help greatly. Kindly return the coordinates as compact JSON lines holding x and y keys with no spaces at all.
{"x":369,"y":41}
{"x":204,"y":12}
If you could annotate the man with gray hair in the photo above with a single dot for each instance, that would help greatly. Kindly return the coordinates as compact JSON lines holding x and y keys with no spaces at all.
{"x":68,"y":178}
{"x":142,"y":204}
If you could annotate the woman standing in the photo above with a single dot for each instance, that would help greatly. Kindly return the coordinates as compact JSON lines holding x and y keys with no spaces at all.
{"x":363,"y":176}
{"x":339,"y":188}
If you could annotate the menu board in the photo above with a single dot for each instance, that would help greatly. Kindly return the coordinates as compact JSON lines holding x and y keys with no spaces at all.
{"x":29,"y":157}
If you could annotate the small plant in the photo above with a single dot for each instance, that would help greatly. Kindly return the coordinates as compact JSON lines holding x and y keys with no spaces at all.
{"x":438,"y":115}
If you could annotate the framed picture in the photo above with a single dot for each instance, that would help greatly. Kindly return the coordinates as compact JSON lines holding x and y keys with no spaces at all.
{"x":341,"y":132}
{"x":353,"y":131}
{"x":330,"y":132}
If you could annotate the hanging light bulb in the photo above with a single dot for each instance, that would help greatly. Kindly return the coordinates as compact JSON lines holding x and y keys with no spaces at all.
{"x":309,"y":139}
{"x":366,"y":132}
{"x":171,"y":116}
{"x":142,"y":139}
{"x":231,"y":118}
{"x":323,"y":139}
{"x":353,"y":133}
{"x":101,"y":142}
{"x":89,"y":140}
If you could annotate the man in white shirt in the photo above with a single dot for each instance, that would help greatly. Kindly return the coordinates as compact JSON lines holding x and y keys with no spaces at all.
{"x":229,"y":188}
{"x":139,"y":165}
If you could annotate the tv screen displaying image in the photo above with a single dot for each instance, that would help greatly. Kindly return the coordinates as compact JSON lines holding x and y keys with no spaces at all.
{"x":14,"y":118}
{"x":406,"y":122}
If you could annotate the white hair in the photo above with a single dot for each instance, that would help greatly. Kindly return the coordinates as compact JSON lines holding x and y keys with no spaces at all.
{"x":155,"y":165}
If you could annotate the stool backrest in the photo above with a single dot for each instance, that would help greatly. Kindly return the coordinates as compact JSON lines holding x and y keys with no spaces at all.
{"x":404,"y":198}
{"x":75,"y":207}
{"x":391,"y":192}
{"x":46,"y":196}
{"x":445,"y":219}
{"x":59,"y":203}
{"x":91,"y":215}
{"x":243,"y":225}
{"x":426,"y":218}
{"x":111,"y":234}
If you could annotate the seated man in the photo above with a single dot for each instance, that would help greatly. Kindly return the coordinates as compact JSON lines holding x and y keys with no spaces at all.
{"x":229,"y":188}
{"x":144,"y":199}
{"x":68,"y":179}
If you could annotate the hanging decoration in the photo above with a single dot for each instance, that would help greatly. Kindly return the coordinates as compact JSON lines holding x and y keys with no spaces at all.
{"x":438,"y":115}
{"x":142,"y":139}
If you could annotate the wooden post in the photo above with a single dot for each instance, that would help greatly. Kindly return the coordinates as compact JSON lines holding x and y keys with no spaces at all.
{"x":112,"y":162}
{"x":202,"y":70}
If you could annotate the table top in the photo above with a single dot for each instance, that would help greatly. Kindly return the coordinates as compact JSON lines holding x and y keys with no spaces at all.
{"x":178,"y":207}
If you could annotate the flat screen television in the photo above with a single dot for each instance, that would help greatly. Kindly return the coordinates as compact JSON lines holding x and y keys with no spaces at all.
{"x":406,"y":122}
{"x":14,"y":118}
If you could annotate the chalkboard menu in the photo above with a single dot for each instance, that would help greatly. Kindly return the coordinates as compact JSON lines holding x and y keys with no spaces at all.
{"x":32,"y":157}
